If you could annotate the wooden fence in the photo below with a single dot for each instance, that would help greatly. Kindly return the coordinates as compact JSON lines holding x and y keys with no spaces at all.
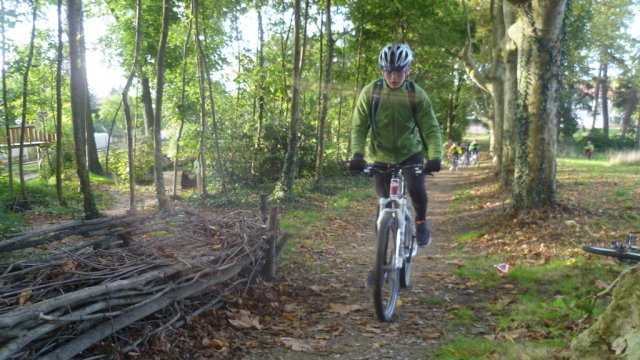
{"x":33,"y":136}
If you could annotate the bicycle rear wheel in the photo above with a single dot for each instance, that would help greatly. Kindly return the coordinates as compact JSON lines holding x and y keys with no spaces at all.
{"x":620,"y":254}
{"x":385,"y":275}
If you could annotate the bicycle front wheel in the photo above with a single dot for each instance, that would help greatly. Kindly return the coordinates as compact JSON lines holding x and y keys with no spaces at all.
{"x":620,"y":254}
{"x":410,"y":245}
{"x":385,"y":275}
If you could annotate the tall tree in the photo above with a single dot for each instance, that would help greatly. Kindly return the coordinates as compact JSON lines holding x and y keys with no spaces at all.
{"x":260,"y":90}
{"x":157,"y":118}
{"x":59,"y":60}
{"x":22,"y":199}
{"x":202,"y":158}
{"x":498,"y":82}
{"x":5,"y":106}
{"x":127,"y":109}
{"x":93,"y":160}
{"x":288,"y":171}
{"x":326,"y":90}
{"x":539,"y":38}
{"x":78,"y":104}
{"x":181,"y":105}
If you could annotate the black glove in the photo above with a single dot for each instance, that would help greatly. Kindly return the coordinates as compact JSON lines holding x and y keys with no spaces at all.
{"x":357,"y":163}
{"x":432,"y":166}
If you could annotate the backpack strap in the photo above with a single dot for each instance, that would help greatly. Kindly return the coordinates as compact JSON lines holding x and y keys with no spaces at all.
{"x":411,"y":89}
{"x":375,"y":102}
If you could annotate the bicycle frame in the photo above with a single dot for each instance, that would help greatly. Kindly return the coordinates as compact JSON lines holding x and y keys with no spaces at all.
{"x":398,"y":208}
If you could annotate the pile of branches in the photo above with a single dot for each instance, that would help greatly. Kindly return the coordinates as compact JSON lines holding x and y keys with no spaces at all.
{"x":70,"y":286}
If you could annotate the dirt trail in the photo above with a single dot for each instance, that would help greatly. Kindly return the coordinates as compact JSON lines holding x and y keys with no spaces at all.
{"x":326,"y":312}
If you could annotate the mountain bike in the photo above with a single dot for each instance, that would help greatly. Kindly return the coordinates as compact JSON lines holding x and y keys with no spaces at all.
{"x":626,"y":251}
{"x":475,"y":157}
{"x":454,"y":163}
{"x":466,"y":159}
{"x":396,"y":241}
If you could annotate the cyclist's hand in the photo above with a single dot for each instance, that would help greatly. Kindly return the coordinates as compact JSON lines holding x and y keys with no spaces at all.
{"x":357,"y":163}
{"x":433,"y":165}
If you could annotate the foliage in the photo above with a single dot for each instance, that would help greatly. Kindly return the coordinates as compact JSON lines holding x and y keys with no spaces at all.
{"x":143,"y":165}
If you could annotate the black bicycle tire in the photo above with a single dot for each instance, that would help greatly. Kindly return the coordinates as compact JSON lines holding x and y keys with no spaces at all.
{"x":620,"y":254}
{"x":383,"y":272}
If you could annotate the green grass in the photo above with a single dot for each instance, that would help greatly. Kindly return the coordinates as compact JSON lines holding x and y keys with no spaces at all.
{"x":43,"y":200}
{"x":461,"y":199}
{"x":466,"y":347}
{"x":534,"y":299}
{"x":463,"y":315}
{"x":468,"y":236}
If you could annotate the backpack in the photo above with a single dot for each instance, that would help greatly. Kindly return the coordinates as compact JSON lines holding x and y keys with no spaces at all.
{"x":375,"y":103}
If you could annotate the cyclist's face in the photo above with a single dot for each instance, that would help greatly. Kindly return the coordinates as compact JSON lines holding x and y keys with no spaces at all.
{"x":395,"y":79}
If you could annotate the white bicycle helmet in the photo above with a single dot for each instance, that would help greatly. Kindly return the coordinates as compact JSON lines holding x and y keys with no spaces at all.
{"x":395,"y":57}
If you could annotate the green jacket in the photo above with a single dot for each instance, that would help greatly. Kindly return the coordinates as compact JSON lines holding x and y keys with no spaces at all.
{"x":396,"y":135}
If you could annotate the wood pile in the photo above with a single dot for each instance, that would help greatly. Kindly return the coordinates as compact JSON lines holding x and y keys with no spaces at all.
{"x":66,"y":288}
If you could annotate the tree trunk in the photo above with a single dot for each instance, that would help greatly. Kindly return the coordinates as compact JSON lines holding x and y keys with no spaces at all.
{"x":78,"y":103}
{"x":288,"y":170}
{"x":260,"y":92}
{"x":596,"y":97}
{"x":510,"y":57}
{"x":127,"y":111}
{"x":616,"y":333}
{"x":454,"y":98}
{"x":356,"y":87}
{"x":93,"y":161}
{"x":59,"y":59}
{"x":631,"y":104}
{"x":325,"y":99}
{"x":181,"y":110}
{"x":214,"y":125}
{"x":202,"y":160}
{"x":340,"y":104}
{"x":538,"y":35}
{"x":638,"y":134}
{"x":147,"y":103}
{"x":157,"y":118}
{"x":605,"y":99}
{"x":22,"y":199}
{"x":5,"y":107}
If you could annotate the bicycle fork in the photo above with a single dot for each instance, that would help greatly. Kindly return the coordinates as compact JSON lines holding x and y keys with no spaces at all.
{"x":398,"y":214}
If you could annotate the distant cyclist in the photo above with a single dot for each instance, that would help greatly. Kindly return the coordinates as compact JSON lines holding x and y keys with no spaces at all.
{"x":455,"y":151}
{"x":474,"y":148}
{"x":588,"y":150}
{"x":393,"y":133}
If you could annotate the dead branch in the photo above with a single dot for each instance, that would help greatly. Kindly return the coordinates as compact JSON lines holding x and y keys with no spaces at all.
{"x":87,"y":293}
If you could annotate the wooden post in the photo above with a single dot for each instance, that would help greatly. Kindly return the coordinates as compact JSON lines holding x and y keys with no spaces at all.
{"x":269,"y":270}
{"x":264,"y":207}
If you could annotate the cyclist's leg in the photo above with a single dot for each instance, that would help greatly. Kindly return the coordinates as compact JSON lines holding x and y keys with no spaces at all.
{"x":381,"y":183}
{"x":418,"y":192}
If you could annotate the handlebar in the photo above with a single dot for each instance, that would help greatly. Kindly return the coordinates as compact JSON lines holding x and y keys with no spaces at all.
{"x":416,"y":169}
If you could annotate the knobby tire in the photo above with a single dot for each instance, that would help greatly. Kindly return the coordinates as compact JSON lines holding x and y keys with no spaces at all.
{"x":620,"y":254}
{"x":385,"y":276}
{"x":408,"y":242}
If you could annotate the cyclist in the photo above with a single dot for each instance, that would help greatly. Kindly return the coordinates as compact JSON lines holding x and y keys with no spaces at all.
{"x":474,"y":148}
{"x":454,"y":152}
{"x":466,"y":155}
{"x":395,"y":137}
{"x":588,"y":150}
